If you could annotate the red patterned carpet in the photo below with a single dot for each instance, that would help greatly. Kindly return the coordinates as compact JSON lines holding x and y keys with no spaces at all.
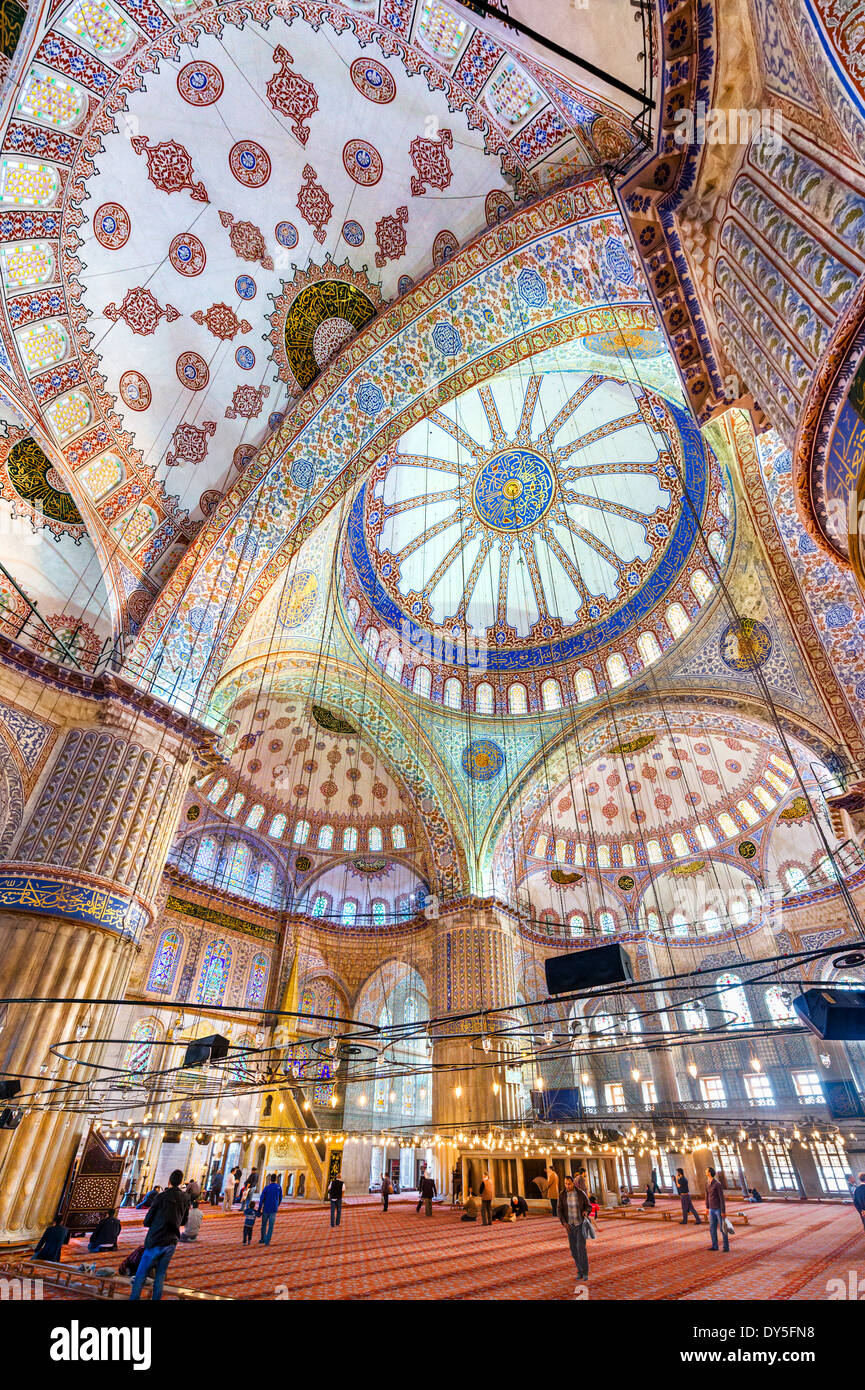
{"x":789,"y":1251}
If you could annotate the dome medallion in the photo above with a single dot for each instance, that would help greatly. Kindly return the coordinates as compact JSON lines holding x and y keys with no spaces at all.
{"x":514,"y":490}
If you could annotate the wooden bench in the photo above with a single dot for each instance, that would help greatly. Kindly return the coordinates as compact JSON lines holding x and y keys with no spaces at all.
{"x":94,"y":1285}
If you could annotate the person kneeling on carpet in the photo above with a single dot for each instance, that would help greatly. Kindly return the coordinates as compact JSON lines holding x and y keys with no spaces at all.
{"x":105,"y":1235}
{"x":472,"y":1207}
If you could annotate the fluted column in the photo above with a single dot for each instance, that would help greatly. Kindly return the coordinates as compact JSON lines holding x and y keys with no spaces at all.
{"x":76,"y":891}
{"x":473,"y":969}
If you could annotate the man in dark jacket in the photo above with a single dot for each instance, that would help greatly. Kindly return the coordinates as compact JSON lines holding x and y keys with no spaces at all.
{"x":335,"y":1193}
{"x":215,"y":1188}
{"x":164,"y":1219}
{"x":859,"y":1196}
{"x":105,"y":1235}
{"x":685,"y":1198}
{"x":51,"y":1242}
{"x":268,"y":1206}
{"x":426,"y":1192}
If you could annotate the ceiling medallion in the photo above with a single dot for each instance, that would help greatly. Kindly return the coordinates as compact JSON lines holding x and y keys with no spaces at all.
{"x":35,"y":481}
{"x":633,"y":745}
{"x":514,"y":490}
{"x":333,"y":723}
{"x":316,"y":314}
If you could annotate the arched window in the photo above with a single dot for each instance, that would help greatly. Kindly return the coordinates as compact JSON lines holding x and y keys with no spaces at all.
{"x":606,"y":922}
{"x":518,"y":702}
{"x":265,"y":883}
{"x":485,"y":699}
{"x":422,"y":681}
{"x":654,"y":853}
{"x":551,"y":694}
{"x":648,"y":647}
{"x":712,"y":922}
{"x":165,"y":962}
{"x":540,"y":849}
{"x":561,"y":851}
{"x":319,"y":907}
{"x":277,"y":826}
{"x":617,"y":669}
{"x":653,"y":923}
{"x":701,"y":586}
{"x":603,"y":853}
{"x":577,"y":924}
{"x":796,"y":880}
{"x":584,"y":686}
{"x":679,"y":924}
{"x":140,"y":1046}
{"x":234,"y":803}
{"x":205,"y":858}
{"x":453,"y":693}
{"x":779,"y":1004}
{"x":353,"y":610}
{"x":257,"y":982}
{"x":371,"y":641}
{"x":379,"y":913}
{"x":728,"y":826}
{"x":325,"y":837}
{"x":349,"y":838}
{"x":731,"y":999}
{"x":677,"y":619}
{"x":238,"y":866}
{"x":301,"y":832}
{"x":717,"y":546}
{"x":704,"y":837}
{"x":748,"y":811}
{"x":214,"y":973}
{"x":694,"y":1016}
{"x":679,"y":845}
{"x":253,"y":820}
{"x":397,"y":836}
{"x":394,"y":664}
{"x":765,"y":797}
{"x":603,"y":1026}
{"x":349,"y":912}
{"x":218,"y":790}
{"x":375,"y":838}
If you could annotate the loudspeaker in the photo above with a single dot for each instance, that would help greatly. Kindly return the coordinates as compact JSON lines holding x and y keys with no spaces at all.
{"x":838,"y":1015}
{"x":8,"y":1089}
{"x":598,"y":965}
{"x":10,"y":1118}
{"x":210,"y":1049}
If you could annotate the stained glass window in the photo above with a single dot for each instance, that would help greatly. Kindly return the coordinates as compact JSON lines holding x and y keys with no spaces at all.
{"x":27,"y":263}
{"x":577,"y":924}
{"x":680,"y":844}
{"x":371,"y":641}
{"x":511,"y":94}
{"x":704,"y":837}
{"x":394,"y":664}
{"x":234,"y":803}
{"x":100,"y":476}
{"x":27,"y":184}
{"x":603,"y":855}
{"x":780,"y":1005}
{"x":518,"y":702}
{"x":301,"y":832}
{"x":165,"y":962}
{"x":99,"y":25}
{"x":253,"y":820}
{"x":397,"y":836}
{"x":265,"y":883}
{"x":551,"y":694}
{"x":701,"y":586}
{"x":349,"y":838}
{"x":677,"y":619}
{"x":654,"y":853}
{"x":379,"y":913}
{"x":69,"y":415}
{"x":214,"y":973}
{"x":731,"y":999}
{"x":748,"y":811}
{"x":648,"y":647}
{"x":728,"y":825}
{"x":606,"y":922}
{"x":617,"y":669}
{"x":679,"y":923}
{"x":277,"y":827}
{"x":796,"y":880}
{"x":205,"y":859}
{"x":485,"y":700}
{"x":453,"y":693}
{"x":323,"y":1089}
{"x":422,"y":681}
{"x":325,"y":837}
{"x":238,"y":867}
{"x":135,"y":527}
{"x":46,"y":96}
{"x":257,"y":981}
{"x":307,"y":1001}
{"x":694,"y":1016}
{"x":375,"y":840}
{"x":349,"y":912}
{"x":584,"y":685}
{"x":140,"y":1046}
{"x":218,"y":790}
{"x":319,"y":907}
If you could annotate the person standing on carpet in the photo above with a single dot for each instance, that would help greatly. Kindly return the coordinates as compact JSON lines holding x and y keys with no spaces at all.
{"x":427,"y":1191}
{"x":227,"y":1193}
{"x":716,"y":1206}
{"x":335,"y":1192}
{"x":685,"y":1198}
{"x":164,"y":1219}
{"x":553,"y":1189}
{"x":249,"y":1215}
{"x":488,"y":1192}
{"x":859,"y":1197}
{"x":268,"y":1205}
{"x":573,"y":1211}
{"x":386,"y":1190}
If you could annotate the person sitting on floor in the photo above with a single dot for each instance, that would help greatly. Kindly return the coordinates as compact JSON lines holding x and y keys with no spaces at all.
{"x":754,"y":1195}
{"x":51,"y":1242}
{"x":193,"y":1222}
{"x":105,"y":1235}
{"x":519,"y":1206}
{"x":624,"y":1196}
{"x":650,"y":1196}
{"x":472,"y":1207}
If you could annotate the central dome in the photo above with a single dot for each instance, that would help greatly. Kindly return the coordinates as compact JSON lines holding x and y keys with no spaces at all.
{"x":531,"y":522}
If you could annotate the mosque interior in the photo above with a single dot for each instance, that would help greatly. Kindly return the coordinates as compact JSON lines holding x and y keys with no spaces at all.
{"x":497,"y":595}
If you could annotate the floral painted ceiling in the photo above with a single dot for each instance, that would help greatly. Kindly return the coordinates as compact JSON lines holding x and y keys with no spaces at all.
{"x":200,"y":205}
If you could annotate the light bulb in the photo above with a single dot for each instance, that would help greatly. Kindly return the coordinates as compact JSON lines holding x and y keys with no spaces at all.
{"x":635,"y":1074}
{"x":458,"y":1090}
{"x":755,"y":1064}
